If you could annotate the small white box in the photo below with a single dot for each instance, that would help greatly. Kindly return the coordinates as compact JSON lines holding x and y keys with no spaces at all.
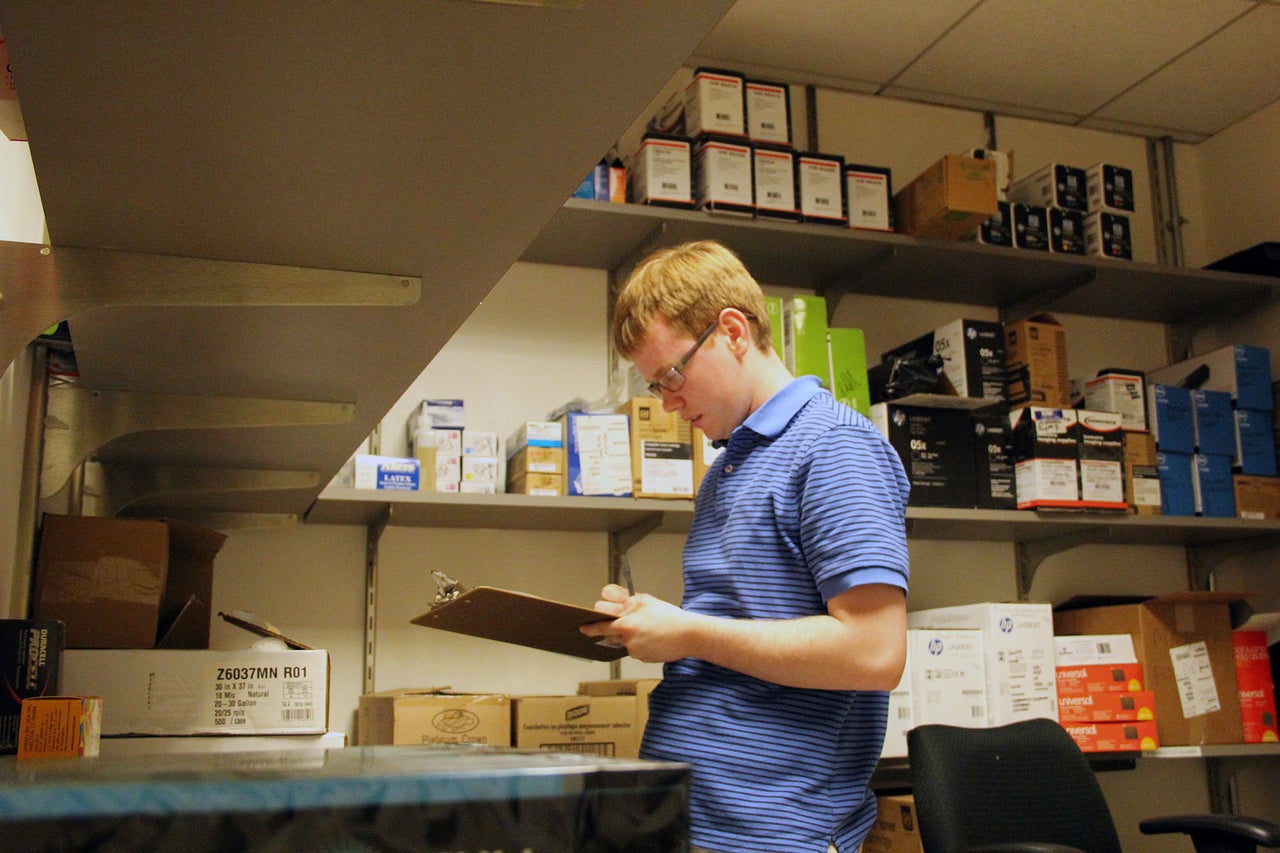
{"x":901,"y":717}
{"x":1019,"y":648}
{"x":820,"y":178}
{"x":1107,"y":235}
{"x":1053,"y":185}
{"x":715,"y":102}
{"x":1110,"y":188}
{"x":448,"y":472}
{"x":768,"y":112}
{"x":386,"y":472}
{"x":203,"y":691}
{"x":661,"y":172}
{"x":1121,"y":393}
{"x":479,"y":469}
{"x":722,"y":176}
{"x":1094,"y":649}
{"x":481,"y":443}
{"x":869,"y":192}
{"x":948,"y":678}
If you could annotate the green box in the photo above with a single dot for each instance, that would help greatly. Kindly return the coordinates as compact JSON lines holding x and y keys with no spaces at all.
{"x":773,"y":309}
{"x":849,"y":368}
{"x":804,"y":337}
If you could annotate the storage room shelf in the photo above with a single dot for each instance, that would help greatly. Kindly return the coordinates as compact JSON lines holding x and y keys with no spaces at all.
{"x":836,"y":260}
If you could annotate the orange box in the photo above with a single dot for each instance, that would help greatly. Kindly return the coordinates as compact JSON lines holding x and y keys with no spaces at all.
{"x":1253,"y":683}
{"x":1107,"y":707}
{"x":1114,"y":737}
{"x":1099,"y":678}
{"x":59,"y":726}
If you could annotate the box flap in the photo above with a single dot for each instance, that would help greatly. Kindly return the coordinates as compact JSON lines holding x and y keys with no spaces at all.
{"x":252,"y":623}
{"x":189,"y":628}
{"x":1079,"y":602}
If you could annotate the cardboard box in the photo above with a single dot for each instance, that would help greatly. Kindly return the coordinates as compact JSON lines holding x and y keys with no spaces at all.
{"x":661,"y":450}
{"x":598,"y":725}
{"x":60,"y":727}
{"x":869,"y":190}
{"x":949,"y":199}
{"x":1100,"y":707}
{"x":948,"y":677}
{"x":598,"y":454}
{"x":1053,"y":185}
{"x":536,"y":460}
{"x":433,"y":715}
{"x":1030,"y":226}
{"x":1243,"y":371}
{"x":1257,"y":497}
{"x":1141,"y":473}
{"x":1253,"y":683}
{"x":543,"y":485}
{"x":774,"y":174}
{"x":936,"y":449}
{"x":126,"y":583}
{"x":1082,"y":679}
{"x":1118,"y":391}
{"x":30,"y":662}
{"x":804,"y":337}
{"x":1035,"y":352}
{"x":847,"y":350}
{"x":1115,"y":737}
{"x":637,"y":687}
{"x":1046,"y":453}
{"x":820,"y":187}
{"x":897,"y":828}
{"x":768,"y":112}
{"x":203,"y":692}
{"x":1183,"y":641}
{"x":715,"y":102}
{"x":1018,"y":647}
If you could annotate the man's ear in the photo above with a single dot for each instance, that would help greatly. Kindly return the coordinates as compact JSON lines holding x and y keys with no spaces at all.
{"x":738,"y":329}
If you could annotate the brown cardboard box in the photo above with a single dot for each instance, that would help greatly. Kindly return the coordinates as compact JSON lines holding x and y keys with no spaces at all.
{"x":1181,"y":633}
{"x":1257,"y":497}
{"x":637,"y":687}
{"x":535,"y":484}
{"x":896,"y":830}
{"x":1035,"y":352}
{"x":950,"y":199}
{"x":598,"y":725}
{"x":703,"y":455}
{"x":122,"y":583}
{"x":1141,"y":477}
{"x":661,"y":450}
{"x":433,"y":715}
{"x":536,"y":460}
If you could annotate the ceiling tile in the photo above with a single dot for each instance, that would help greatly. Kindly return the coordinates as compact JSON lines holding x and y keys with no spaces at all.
{"x":968,"y":103}
{"x":1070,"y":55}
{"x":1192,"y":94}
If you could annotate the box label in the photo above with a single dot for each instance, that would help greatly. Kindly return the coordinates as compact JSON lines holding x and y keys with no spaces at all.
{"x":1194,"y":675}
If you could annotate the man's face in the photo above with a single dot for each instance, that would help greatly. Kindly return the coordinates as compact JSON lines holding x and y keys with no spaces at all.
{"x":704,"y":397}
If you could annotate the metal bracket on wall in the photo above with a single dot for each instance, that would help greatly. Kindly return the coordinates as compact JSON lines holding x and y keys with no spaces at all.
{"x":1029,"y":555}
{"x":79,"y":421}
{"x":42,"y":285}
{"x":1180,"y":337}
{"x":372,"y":537}
{"x":835,"y":292}
{"x":111,"y":488}
{"x":1043,"y":300}
{"x":1204,"y":560}
{"x":215,"y":520}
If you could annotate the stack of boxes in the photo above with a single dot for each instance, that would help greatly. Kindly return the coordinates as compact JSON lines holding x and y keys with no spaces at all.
{"x":1102,"y":702}
{"x":535,"y":459}
{"x":1107,"y":231}
{"x":1212,"y":418}
{"x":1048,"y":209}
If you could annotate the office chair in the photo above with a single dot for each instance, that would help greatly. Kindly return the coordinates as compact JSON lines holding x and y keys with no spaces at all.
{"x":1027,"y":788}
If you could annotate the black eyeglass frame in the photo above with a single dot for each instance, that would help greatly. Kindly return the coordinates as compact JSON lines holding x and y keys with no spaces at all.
{"x":672,"y":379}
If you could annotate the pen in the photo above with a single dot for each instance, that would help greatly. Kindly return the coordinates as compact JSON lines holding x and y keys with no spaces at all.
{"x":626,"y":575}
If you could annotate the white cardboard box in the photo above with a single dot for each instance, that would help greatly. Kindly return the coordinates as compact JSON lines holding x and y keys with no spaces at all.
{"x":203,"y":691}
{"x":948,"y":677}
{"x":1020,"y":659}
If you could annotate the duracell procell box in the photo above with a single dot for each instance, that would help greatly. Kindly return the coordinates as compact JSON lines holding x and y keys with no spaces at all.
{"x":1030,"y":226}
{"x":1046,"y":457}
{"x":820,"y":184}
{"x":1109,"y":187}
{"x":722,"y":175}
{"x":1053,"y":185}
{"x":1066,"y":231}
{"x":715,"y":102}
{"x":1101,"y":460}
{"x":1035,"y":353}
{"x":869,"y":190}
{"x":993,"y":459}
{"x":774,"y":174}
{"x":768,"y":112}
{"x":661,"y":172}
{"x":936,"y":449}
{"x":31,"y":656}
{"x":1107,"y":235}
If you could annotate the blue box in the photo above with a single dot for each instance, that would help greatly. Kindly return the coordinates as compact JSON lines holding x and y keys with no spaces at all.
{"x":1177,"y":490}
{"x":1215,"y":425}
{"x":1172,"y":421}
{"x":1243,"y":371}
{"x":1215,"y":491}
{"x":1255,"y":443}
{"x":599,"y":454}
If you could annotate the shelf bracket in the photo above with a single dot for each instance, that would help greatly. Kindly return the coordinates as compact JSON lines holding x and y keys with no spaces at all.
{"x":1181,"y":336}
{"x":1204,"y":560}
{"x":42,"y":285}
{"x":1031,"y":554}
{"x":1043,"y":301}
{"x":834,"y":291}
{"x":79,"y":421}
{"x":112,"y":488}
{"x":235,"y":520}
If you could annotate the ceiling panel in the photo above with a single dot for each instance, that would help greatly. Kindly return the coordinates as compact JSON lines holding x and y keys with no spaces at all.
{"x":1194,"y":94}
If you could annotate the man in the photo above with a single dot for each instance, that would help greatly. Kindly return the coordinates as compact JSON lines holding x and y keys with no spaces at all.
{"x":793,"y":623}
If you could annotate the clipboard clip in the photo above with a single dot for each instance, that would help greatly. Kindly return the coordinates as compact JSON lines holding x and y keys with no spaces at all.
{"x":447,"y":589}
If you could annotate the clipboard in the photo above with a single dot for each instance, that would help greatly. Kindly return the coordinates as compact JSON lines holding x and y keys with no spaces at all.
{"x":522,"y":619}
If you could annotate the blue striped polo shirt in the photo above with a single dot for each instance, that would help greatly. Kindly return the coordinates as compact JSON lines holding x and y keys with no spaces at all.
{"x":806,"y":501}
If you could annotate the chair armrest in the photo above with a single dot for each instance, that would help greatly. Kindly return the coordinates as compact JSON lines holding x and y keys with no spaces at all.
{"x":1022,"y":847}
{"x":1258,"y":831}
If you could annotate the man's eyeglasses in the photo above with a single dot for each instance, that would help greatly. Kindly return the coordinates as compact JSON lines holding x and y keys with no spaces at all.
{"x":672,"y":379}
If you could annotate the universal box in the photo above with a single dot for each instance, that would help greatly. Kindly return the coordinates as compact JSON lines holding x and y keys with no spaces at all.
{"x":1109,"y":187}
{"x":30,"y":655}
{"x":203,"y":692}
{"x":869,"y":191}
{"x":722,"y":176}
{"x":1082,"y":679}
{"x":948,"y":680}
{"x":936,"y":449}
{"x":1107,"y":707}
{"x":432,"y":716}
{"x":1183,"y":641}
{"x":715,"y":102}
{"x":1242,"y":370}
{"x":599,"y":454}
{"x":1035,"y":352}
{"x":596,"y":725}
{"x":81,"y":581}
{"x":949,"y":199}
{"x":820,"y":186}
{"x":661,"y":172}
{"x":1108,"y":235}
{"x":768,"y":112}
{"x":1053,"y":185}
{"x":1030,"y":226}
{"x":1253,"y":683}
{"x":774,"y":179}
{"x":1114,"y":737}
{"x":1018,"y":651}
